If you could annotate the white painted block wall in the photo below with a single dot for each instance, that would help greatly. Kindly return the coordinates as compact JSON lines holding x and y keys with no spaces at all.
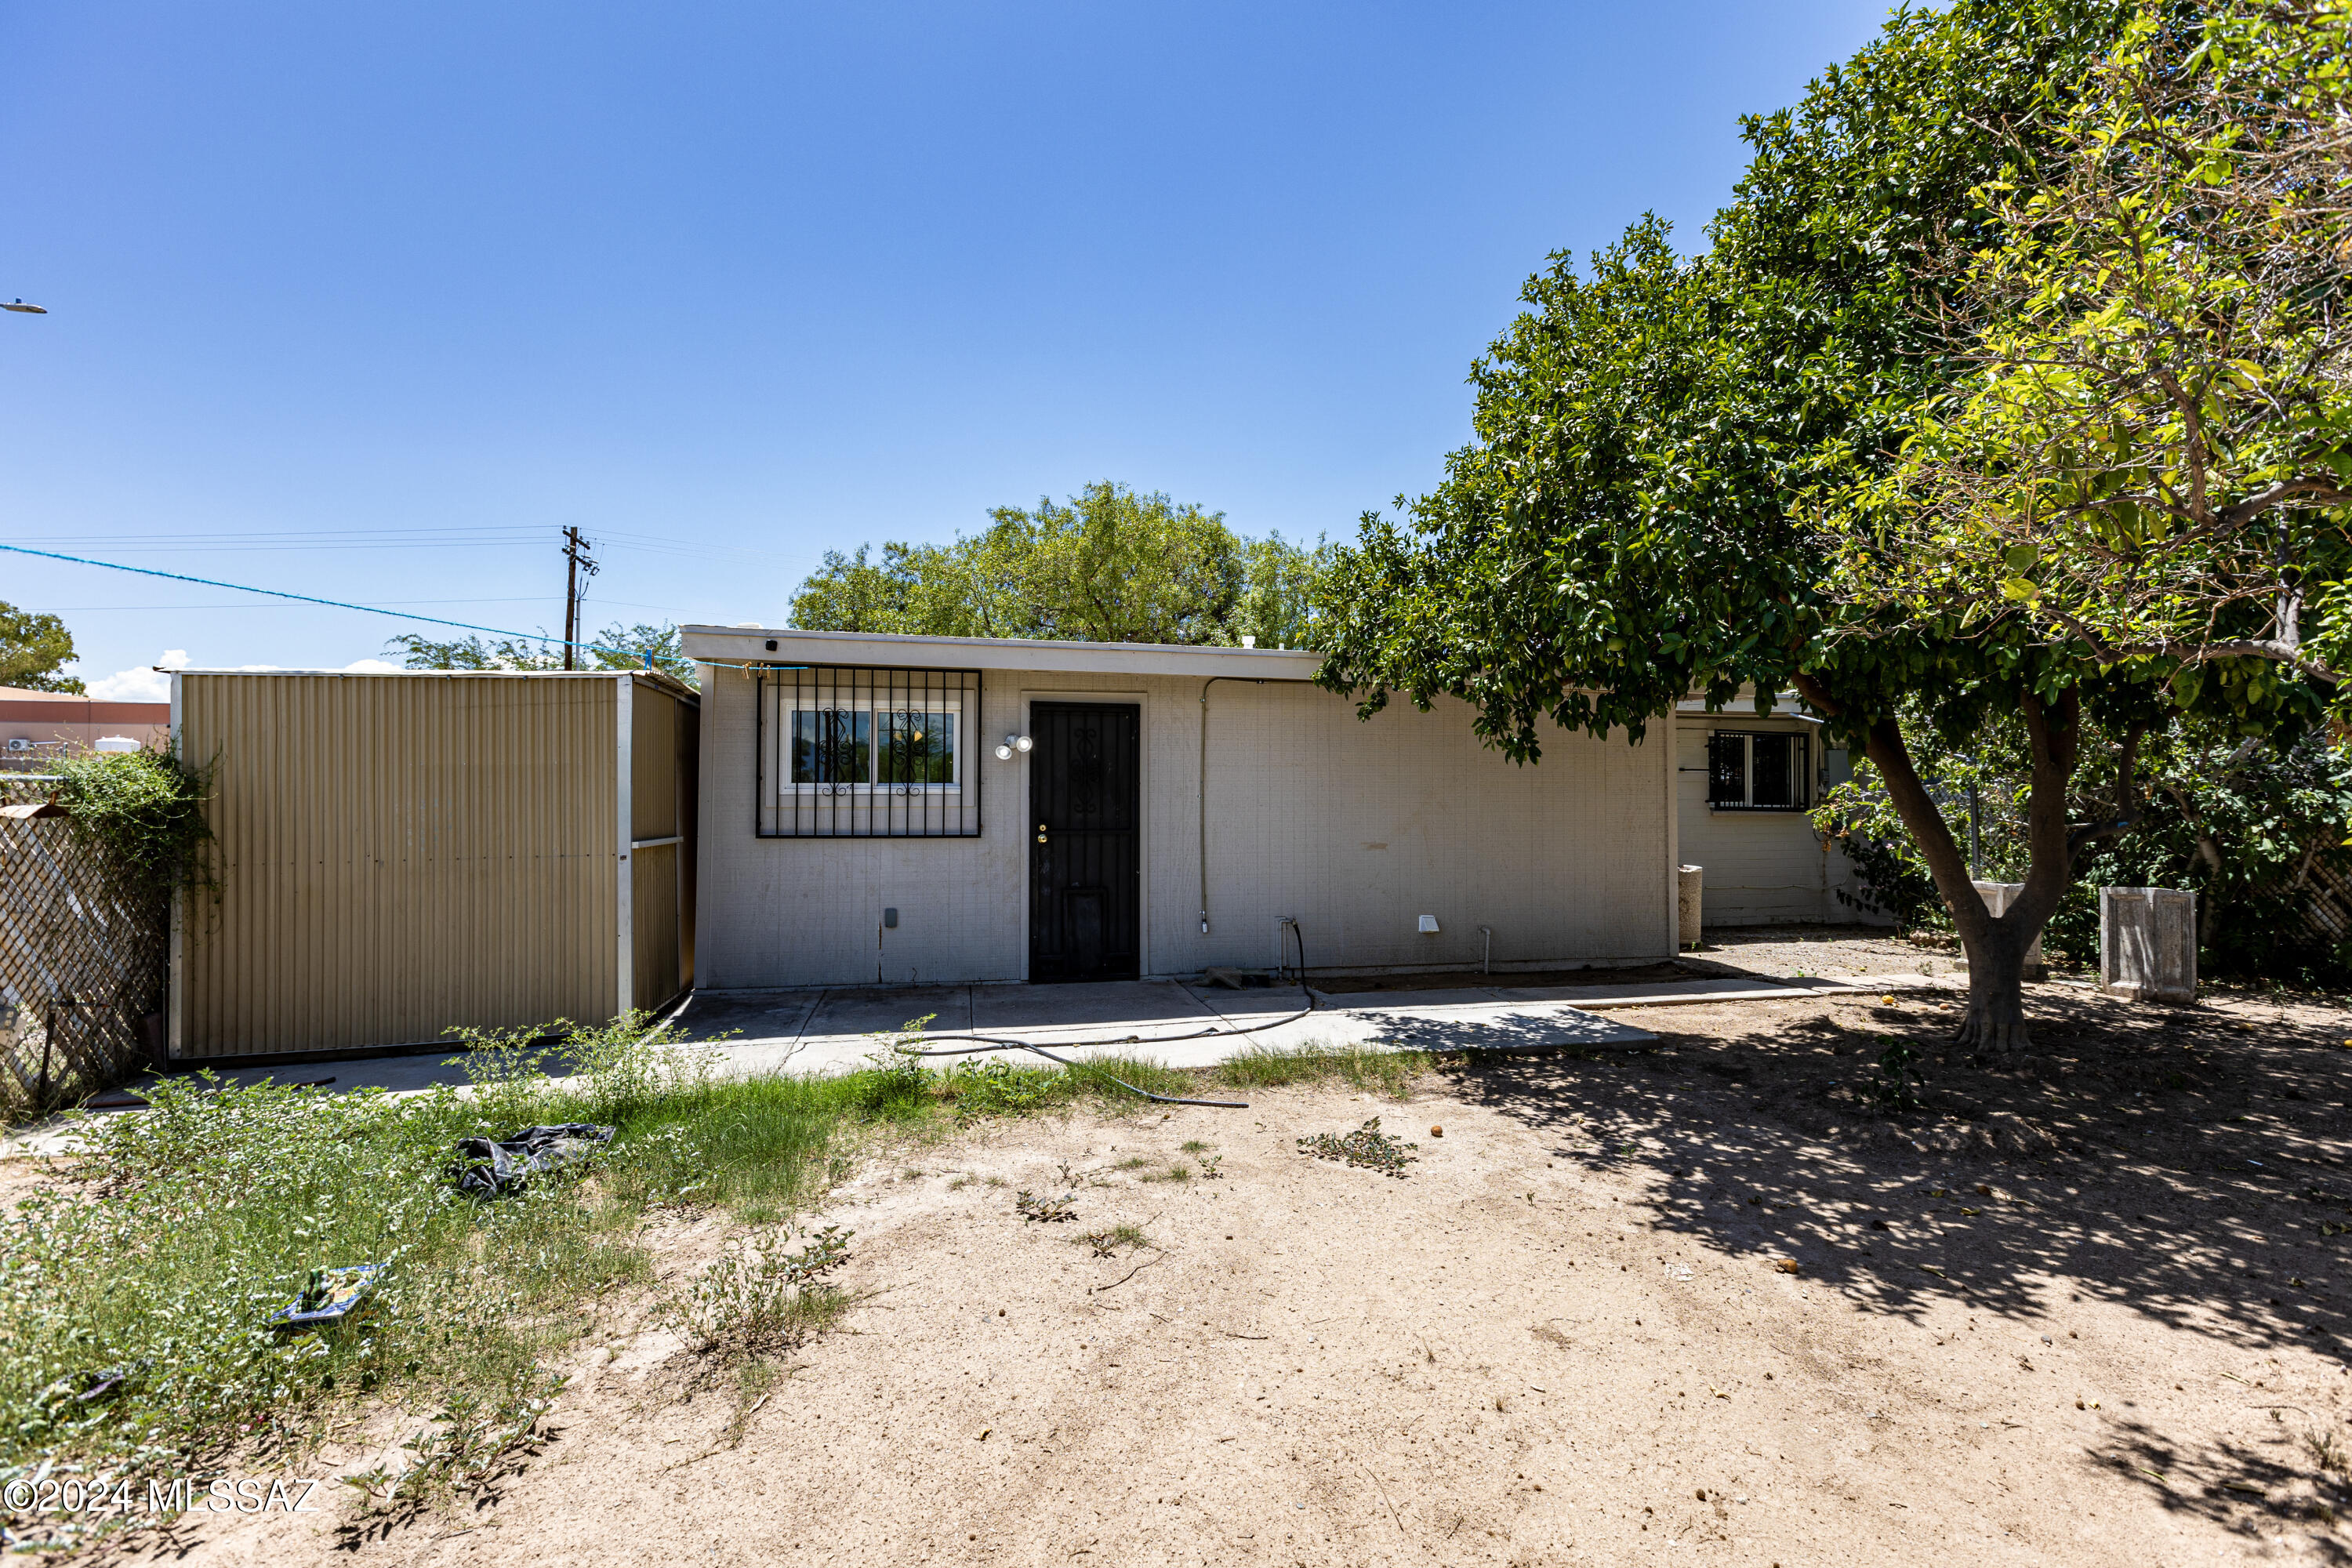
{"x":1356,"y":828}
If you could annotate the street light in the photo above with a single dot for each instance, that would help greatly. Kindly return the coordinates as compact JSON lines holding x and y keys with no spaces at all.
{"x":27,"y":310}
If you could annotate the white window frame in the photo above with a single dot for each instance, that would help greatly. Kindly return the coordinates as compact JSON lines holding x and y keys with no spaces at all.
{"x":876,"y":708}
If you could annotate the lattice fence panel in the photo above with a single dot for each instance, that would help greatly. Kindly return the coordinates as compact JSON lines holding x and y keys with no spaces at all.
{"x":84,"y":954}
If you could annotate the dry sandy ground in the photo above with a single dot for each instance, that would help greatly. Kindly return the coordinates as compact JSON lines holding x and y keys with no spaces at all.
{"x":2083,"y":1315}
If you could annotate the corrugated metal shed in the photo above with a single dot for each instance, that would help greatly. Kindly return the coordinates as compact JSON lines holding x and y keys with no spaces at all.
{"x":399,"y":854}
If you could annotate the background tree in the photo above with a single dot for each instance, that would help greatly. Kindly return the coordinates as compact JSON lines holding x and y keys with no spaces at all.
{"x":616,"y":647}
{"x":1629,"y":524}
{"x":32,"y":648}
{"x":1111,"y":565}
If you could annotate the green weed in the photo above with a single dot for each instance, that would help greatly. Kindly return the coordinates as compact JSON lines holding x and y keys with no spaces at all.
{"x":1895,"y":1080}
{"x":757,"y":1297}
{"x":1367,"y":1146}
{"x":1390,"y":1073}
{"x":1107,"y":1243}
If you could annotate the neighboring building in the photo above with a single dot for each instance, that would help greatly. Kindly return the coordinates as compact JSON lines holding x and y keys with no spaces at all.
{"x":37,"y":727}
{"x":399,"y":853}
{"x":1745,"y":786}
{"x":918,"y":809}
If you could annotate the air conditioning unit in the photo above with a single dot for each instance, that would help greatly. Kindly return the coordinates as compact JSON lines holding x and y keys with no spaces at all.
{"x":19,"y":744}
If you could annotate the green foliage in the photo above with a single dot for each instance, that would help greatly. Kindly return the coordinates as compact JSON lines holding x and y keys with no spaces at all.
{"x":616,"y":647}
{"x":1111,"y":565}
{"x":181,"y":1231}
{"x":32,"y":648}
{"x":145,"y":810}
{"x":2148,"y":457}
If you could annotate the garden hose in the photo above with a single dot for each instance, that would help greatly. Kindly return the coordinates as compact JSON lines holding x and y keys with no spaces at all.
{"x":985,"y":1043}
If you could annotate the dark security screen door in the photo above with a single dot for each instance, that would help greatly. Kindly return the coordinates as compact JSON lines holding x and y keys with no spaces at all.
{"x":1084,"y":874}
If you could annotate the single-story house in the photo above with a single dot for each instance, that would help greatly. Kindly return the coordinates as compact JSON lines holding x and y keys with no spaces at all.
{"x":1746,"y":786}
{"x":35,"y":727}
{"x":909,"y":809}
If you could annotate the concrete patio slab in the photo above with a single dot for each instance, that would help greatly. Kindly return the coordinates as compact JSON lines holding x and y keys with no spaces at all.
{"x":865,"y":1013}
{"x":749,"y":1014}
{"x":1122,"y":1006}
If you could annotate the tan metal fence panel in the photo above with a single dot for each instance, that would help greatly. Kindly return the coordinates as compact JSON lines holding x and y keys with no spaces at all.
{"x":661,"y":810}
{"x":653,"y":908}
{"x":653,"y":760}
{"x":399,"y":854}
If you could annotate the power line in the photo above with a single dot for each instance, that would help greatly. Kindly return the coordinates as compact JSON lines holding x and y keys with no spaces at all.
{"x":343,"y":605}
{"x":497,"y":536}
{"x":248,"y":604}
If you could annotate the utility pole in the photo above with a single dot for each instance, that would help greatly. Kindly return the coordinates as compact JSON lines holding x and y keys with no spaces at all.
{"x":577,"y":569}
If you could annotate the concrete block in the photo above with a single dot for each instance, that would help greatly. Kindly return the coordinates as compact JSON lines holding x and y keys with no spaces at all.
{"x":1998,"y":897}
{"x":2147,"y":943}
{"x":1688,"y":887}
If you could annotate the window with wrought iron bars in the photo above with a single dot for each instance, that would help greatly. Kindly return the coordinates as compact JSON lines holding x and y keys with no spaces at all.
{"x":853,"y":752}
{"x":1759,"y":770}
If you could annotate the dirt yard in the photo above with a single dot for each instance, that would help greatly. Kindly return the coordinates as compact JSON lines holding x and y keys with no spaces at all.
{"x":2091,"y":1313}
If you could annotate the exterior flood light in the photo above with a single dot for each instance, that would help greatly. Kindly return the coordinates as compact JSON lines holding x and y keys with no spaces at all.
{"x":1012,"y":743}
{"x":1429,"y":925}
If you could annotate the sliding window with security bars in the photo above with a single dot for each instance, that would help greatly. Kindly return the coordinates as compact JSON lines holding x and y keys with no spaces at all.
{"x":1757,"y":769}
{"x":850,"y":752}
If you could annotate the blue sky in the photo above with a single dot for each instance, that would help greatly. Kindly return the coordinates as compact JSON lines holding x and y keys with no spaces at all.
{"x":370,"y":302}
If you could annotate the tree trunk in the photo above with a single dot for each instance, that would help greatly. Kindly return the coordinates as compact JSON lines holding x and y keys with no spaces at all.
{"x":1994,"y":1024}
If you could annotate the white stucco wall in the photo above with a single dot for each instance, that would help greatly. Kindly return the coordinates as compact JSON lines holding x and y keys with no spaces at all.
{"x":1355,"y":829}
{"x":1762,"y":867}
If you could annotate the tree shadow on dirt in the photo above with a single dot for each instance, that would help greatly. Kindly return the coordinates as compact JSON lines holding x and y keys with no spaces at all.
{"x":2248,"y":1489}
{"x":2170,"y":1160}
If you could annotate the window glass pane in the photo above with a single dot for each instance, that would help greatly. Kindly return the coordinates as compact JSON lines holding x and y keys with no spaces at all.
{"x":917,"y":749}
{"x":1727,"y":768}
{"x":1775,"y":774}
{"x":830,"y":746}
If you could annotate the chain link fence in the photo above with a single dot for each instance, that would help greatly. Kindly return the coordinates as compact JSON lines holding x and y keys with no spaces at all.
{"x":84,"y":959}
